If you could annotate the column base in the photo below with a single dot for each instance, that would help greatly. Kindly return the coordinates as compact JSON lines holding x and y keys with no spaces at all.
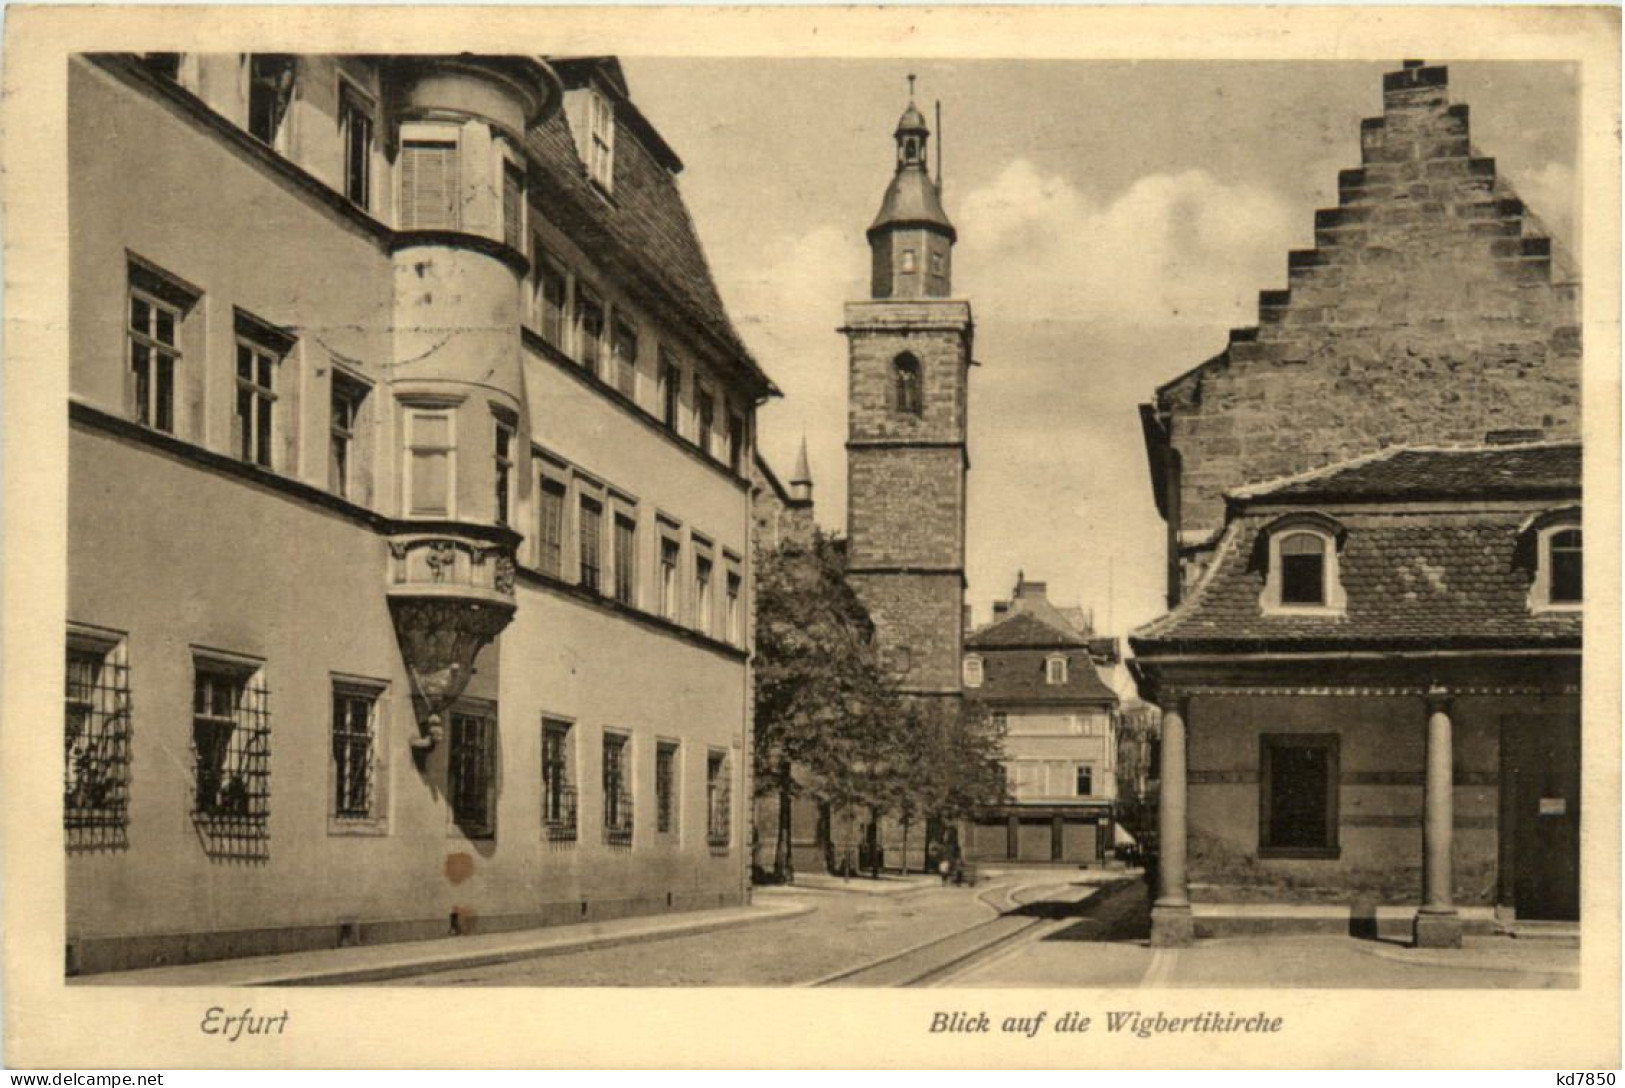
{"x":1436,"y":930}
{"x":1172,"y":926}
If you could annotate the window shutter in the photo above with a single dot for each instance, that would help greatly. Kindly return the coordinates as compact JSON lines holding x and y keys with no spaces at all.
{"x":429,"y":186}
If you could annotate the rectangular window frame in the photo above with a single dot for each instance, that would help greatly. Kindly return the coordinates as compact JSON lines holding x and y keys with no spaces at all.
{"x":619,"y":814}
{"x":591,"y":324}
{"x":1268,"y":743}
{"x":560,"y":799}
{"x":623,"y":353}
{"x":671,"y":391}
{"x":668,"y":787}
{"x":413,"y":448}
{"x":733,"y":600}
{"x":601,"y":140}
{"x":473,"y":743}
{"x":552,"y":321}
{"x":373,"y":818}
{"x":230,"y":744}
{"x":589,"y":509}
{"x":504,"y":458}
{"x":624,"y":554}
{"x":96,"y":740}
{"x":705,"y":419}
{"x":273,"y":112}
{"x":422,"y":137}
{"x":718,"y":800}
{"x":358,"y":121}
{"x":552,"y":515}
{"x":151,"y":389}
{"x":347,"y":400}
{"x":703,"y":574}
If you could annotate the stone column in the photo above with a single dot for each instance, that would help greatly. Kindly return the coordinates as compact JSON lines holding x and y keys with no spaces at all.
{"x":1171,"y":924}
{"x":1437,"y":923}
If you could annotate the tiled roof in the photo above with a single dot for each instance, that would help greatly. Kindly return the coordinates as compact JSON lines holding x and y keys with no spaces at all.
{"x":1019,"y":676}
{"x":1429,"y":579}
{"x":1023,"y":629}
{"x":643,"y":228}
{"x":1535,"y":470}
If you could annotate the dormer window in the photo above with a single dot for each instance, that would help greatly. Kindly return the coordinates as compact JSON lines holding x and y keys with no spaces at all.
{"x":1055,"y":670}
{"x":1302,"y":575}
{"x":601,"y":141}
{"x":1559,"y":564}
{"x":973,"y":672}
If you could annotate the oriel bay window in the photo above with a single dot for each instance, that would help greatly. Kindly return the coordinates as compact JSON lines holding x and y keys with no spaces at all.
{"x":502,"y":471}
{"x":96,"y":760}
{"x":617,"y":790}
{"x":429,"y":178}
{"x":430,"y":462}
{"x":471,"y":772}
{"x":1298,"y":795}
{"x":558,"y":781}
{"x":231,"y":753}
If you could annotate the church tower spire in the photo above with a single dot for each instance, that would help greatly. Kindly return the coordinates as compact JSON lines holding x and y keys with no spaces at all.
{"x":909,"y":352}
{"x":911,"y":240}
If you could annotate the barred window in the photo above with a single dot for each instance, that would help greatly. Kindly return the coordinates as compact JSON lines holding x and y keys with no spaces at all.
{"x":617,"y":791}
{"x":558,"y":782}
{"x":719,"y":820}
{"x":471,"y":774}
{"x":96,"y":764}
{"x":356,"y":792}
{"x":231,"y":752}
{"x":666,"y":787}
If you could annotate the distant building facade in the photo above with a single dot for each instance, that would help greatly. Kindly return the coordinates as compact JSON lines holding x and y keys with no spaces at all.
{"x":1369,"y":673}
{"x":1034,"y":670}
{"x":406,"y":426}
{"x":779,"y":512}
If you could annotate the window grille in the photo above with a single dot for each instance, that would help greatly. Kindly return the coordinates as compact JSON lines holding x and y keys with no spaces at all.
{"x":617,"y":792}
{"x":471,"y":774}
{"x":666,"y":788}
{"x":558,"y":794}
{"x":591,"y":530}
{"x":231,"y":751}
{"x":717,"y":801}
{"x":355,"y":754}
{"x":550,"y":533}
{"x":96,"y":764}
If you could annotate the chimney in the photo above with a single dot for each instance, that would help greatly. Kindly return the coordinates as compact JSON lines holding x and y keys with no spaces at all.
{"x":1032,"y":591}
{"x":1001,"y":609}
{"x":965,"y":618}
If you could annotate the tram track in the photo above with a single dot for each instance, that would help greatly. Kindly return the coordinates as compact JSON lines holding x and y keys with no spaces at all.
{"x":930,"y":961}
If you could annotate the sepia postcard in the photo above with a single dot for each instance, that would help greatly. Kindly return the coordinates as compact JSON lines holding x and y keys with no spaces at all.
{"x":560,"y":536}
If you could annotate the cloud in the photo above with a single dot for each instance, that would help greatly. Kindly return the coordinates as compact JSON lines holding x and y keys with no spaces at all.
{"x":1181,"y":248}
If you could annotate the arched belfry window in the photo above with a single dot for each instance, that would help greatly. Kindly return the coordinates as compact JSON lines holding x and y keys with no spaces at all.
{"x":906,"y":385}
{"x":911,"y":150}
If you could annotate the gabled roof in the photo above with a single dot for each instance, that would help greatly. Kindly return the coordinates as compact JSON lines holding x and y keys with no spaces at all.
{"x":1023,"y":629}
{"x":643,"y":231}
{"x":1020,"y":676}
{"x":1418,"y":473}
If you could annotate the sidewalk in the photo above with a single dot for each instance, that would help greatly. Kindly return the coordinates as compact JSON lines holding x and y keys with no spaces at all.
{"x":858,"y":885}
{"x":1292,"y":919}
{"x":379,"y":963}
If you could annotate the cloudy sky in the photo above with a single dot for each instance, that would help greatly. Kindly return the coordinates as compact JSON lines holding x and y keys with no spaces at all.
{"x":1115,"y":220}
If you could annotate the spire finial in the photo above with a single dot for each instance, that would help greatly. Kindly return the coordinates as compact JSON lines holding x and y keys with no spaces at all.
{"x":911,"y":86}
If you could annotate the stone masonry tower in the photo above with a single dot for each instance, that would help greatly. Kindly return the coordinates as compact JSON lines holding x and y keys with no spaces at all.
{"x":910,"y":357}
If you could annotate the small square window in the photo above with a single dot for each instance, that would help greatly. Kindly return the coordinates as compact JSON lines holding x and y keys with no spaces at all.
{"x":1084,"y":780}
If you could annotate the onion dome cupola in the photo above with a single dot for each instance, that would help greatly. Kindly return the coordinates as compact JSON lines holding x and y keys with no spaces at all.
{"x":911,"y":240}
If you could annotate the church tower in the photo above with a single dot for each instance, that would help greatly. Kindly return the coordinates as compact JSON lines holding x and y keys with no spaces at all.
{"x":910,"y":357}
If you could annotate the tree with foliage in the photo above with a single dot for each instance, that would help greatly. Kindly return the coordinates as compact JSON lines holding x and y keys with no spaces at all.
{"x":1139,"y":731}
{"x":822,"y":705}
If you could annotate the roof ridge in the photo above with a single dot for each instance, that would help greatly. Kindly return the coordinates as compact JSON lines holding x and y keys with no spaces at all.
{"x":1264,"y":487}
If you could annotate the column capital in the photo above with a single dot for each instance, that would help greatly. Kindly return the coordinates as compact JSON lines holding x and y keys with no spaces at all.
{"x":1439,"y":699}
{"x":1175,"y":701}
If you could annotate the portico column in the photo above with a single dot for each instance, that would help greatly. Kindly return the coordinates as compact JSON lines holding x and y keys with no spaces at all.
{"x":1171,"y":924}
{"x":1437,"y":923}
